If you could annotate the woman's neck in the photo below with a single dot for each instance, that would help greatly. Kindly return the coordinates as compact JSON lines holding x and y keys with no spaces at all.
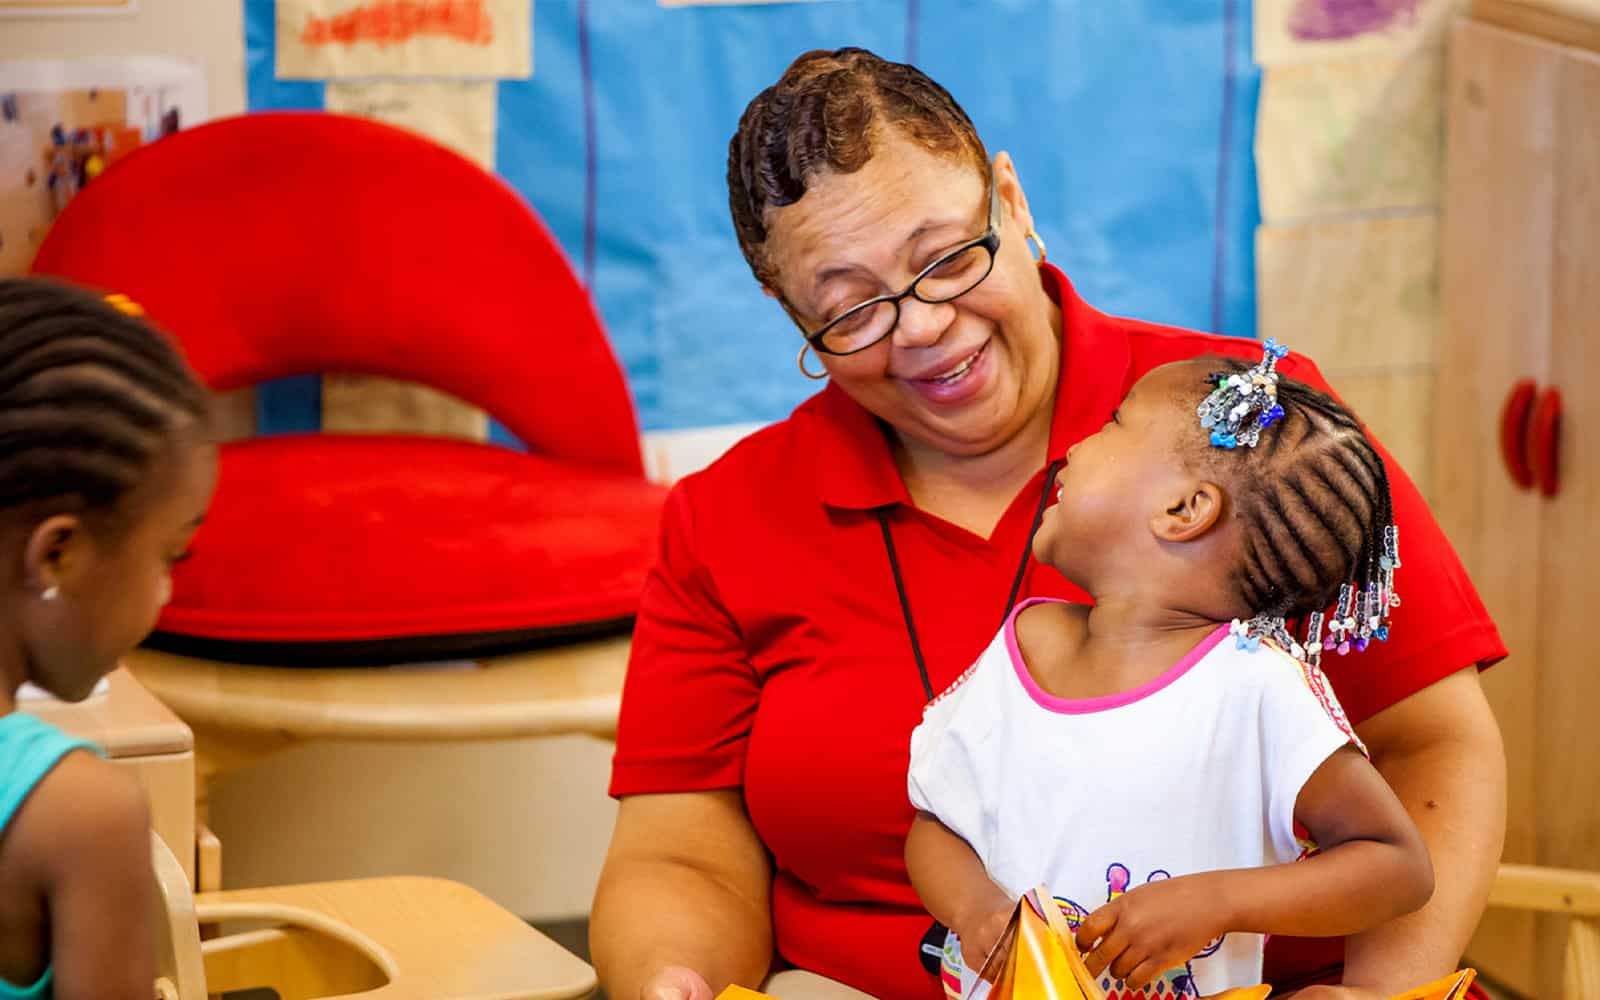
{"x":975,"y":490}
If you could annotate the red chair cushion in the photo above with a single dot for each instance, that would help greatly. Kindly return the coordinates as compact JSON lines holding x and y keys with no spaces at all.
{"x":325,"y":542}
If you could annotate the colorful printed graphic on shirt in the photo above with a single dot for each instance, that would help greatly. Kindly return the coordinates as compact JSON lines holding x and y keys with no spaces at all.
{"x":1176,"y":984}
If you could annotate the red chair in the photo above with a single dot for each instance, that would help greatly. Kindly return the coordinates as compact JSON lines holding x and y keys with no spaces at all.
{"x":284,"y":244}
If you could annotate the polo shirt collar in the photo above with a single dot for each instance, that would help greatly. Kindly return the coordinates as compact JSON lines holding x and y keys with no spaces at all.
{"x":1094,"y":365}
{"x":855,"y":469}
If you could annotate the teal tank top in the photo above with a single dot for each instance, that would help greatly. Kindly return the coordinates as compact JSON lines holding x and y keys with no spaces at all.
{"x":29,"y":750}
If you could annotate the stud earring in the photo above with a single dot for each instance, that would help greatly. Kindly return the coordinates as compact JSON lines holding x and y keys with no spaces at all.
{"x":50,"y":593}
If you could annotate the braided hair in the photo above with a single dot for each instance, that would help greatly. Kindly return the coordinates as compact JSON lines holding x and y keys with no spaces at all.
{"x":1313,"y":500}
{"x":90,"y":396}
{"x":828,"y":112}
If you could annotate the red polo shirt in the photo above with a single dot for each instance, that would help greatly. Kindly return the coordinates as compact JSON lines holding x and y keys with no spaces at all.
{"x":771,"y":652}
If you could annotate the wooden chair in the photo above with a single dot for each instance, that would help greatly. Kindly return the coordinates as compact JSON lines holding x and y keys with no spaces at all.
{"x":1575,"y":894}
{"x":376,"y":939}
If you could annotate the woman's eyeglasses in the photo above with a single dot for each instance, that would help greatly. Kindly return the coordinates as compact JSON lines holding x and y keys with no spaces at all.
{"x":950,"y":277}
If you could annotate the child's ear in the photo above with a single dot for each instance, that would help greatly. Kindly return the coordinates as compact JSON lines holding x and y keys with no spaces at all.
{"x":1190,"y":513}
{"x":53,"y":549}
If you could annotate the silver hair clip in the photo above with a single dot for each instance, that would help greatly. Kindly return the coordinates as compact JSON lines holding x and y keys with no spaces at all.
{"x":1243,"y":404}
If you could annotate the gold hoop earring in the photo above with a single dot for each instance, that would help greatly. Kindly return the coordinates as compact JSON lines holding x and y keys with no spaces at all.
{"x":1037,"y":241}
{"x":801,"y":361}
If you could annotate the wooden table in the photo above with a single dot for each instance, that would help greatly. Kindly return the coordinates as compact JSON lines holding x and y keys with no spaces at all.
{"x":241,"y":713}
{"x":139,"y":732}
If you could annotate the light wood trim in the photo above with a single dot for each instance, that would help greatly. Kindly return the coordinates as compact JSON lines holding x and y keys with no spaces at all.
{"x":376,"y":939}
{"x":168,"y":783}
{"x":432,"y":938}
{"x":572,"y":689}
{"x":292,"y":961}
{"x":127,"y":720}
{"x":208,"y":860}
{"x":1581,"y":975}
{"x":1547,"y":890}
{"x":1564,"y":23}
{"x":178,"y":960}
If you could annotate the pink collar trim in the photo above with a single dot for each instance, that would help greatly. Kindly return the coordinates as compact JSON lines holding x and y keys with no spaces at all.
{"x":1087,"y":706}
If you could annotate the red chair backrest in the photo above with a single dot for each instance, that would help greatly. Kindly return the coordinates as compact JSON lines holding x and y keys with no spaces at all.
{"x":300,"y":242}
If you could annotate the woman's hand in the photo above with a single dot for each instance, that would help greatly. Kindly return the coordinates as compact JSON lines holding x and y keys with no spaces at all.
{"x":676,"y":983}
{"x":1153,"y":928}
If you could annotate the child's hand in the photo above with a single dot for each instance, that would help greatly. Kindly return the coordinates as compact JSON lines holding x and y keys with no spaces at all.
{"x":1153,"y":928}
{"x":980,"y":935}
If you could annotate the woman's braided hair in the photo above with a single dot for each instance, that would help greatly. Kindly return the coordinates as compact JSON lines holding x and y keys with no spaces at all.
{"x":827,"y":112}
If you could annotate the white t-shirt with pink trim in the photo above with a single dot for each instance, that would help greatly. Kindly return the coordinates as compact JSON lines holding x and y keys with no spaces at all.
{"x":1196,"y":770}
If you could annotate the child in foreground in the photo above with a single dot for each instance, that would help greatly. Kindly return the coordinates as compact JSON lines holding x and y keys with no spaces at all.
{"x":105,"y":472}
{"x":1159,"y":769}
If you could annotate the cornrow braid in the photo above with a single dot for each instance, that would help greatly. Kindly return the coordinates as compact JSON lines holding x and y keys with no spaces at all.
{"x":1314,"y":502}
{"x":89,"y":395}
{"x":827,"y":112}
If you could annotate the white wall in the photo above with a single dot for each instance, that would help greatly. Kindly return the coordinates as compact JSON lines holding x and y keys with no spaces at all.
{"x":208,"y":30}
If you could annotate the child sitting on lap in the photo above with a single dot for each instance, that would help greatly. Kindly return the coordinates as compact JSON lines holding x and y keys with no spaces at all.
{"x":1151,"y":764}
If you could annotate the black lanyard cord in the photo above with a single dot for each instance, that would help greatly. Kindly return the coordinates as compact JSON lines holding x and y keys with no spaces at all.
{"x":882,"y":514}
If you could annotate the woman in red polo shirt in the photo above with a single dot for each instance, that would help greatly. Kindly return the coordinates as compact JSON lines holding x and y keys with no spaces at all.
{"x":827,"y":577}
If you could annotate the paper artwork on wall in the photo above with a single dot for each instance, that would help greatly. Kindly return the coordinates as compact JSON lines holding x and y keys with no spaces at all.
{"x":344,"y":39}
{"x":1302,"y":30}
{"x":459,"y":114}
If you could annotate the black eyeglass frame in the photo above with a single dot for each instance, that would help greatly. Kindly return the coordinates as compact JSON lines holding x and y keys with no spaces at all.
{"x":989,"y":241}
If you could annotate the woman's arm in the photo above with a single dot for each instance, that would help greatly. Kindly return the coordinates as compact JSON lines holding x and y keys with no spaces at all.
{"x":684,"y":905}
{"x":1440,"y":751}
{"x":956,"y":888}
{"x":1372,"y":866}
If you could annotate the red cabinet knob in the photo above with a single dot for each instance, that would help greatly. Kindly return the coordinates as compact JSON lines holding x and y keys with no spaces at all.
{"x":1544,"y":442}
{"x":1514,"y":432}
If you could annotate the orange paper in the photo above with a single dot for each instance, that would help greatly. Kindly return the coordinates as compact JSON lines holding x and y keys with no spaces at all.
{"x":1451,"y":987}
{"x":1038,"y":959}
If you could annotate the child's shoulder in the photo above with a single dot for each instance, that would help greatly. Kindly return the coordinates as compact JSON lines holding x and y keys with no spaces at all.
{"x":82,"y":806}
{"x":1287,"y":686}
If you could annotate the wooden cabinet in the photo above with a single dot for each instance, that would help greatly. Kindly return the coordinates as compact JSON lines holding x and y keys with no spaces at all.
{"x":1520,"y":290}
